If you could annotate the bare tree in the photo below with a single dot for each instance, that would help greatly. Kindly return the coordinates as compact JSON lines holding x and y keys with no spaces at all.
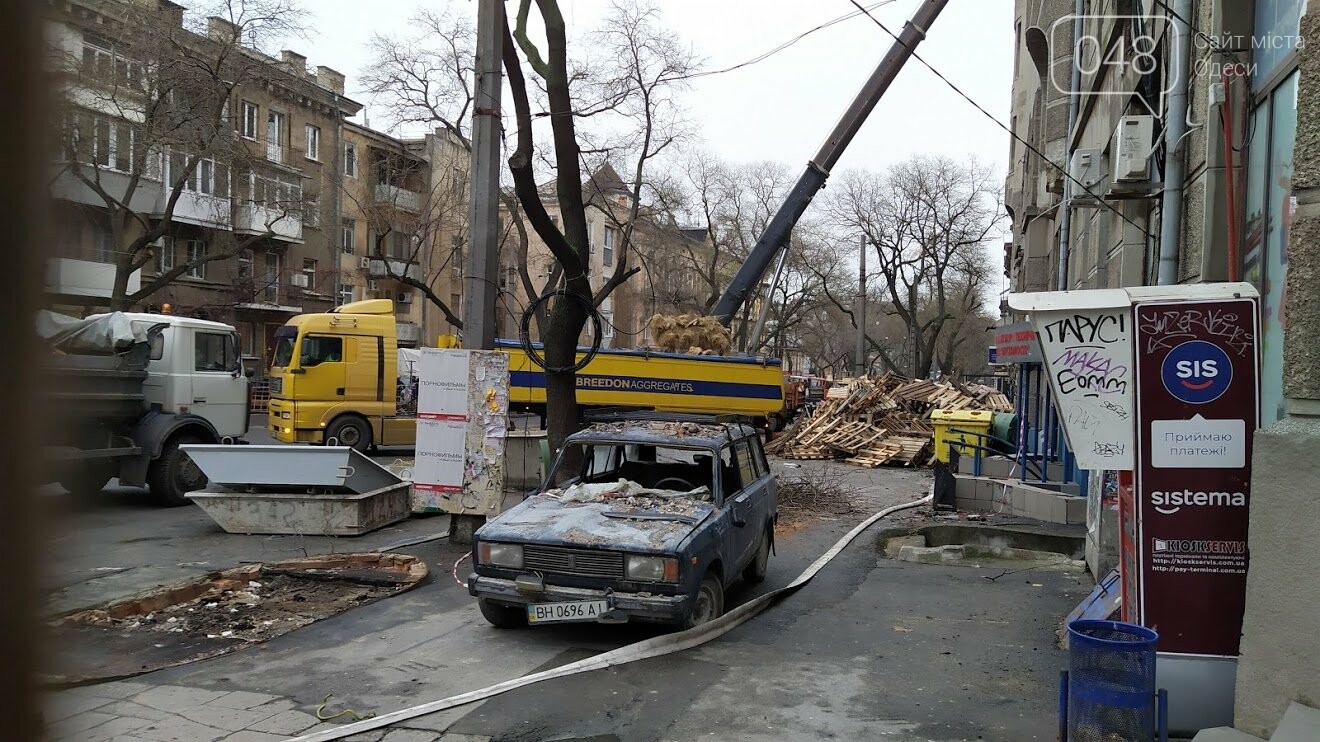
{"x":649,"y":65}
{"x":927,"y":220}
{"x":148,"y":127}
{"x":425,"y":76}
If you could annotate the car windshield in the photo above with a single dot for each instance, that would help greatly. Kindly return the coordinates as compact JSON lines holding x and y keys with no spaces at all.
{"x":284,"y":338}
{"x":678,"y":469}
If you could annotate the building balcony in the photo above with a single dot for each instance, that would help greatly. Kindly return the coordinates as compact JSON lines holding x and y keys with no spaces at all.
{"x":66,"y":186}
{"x":400,"y":198}
{"x":254,"y":218}
{"x":202,"y":209}
{"x":391,"y":268}
{"x":71,"y":277}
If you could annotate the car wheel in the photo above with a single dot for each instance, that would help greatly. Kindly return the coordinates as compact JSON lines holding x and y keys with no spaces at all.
{"x":503,"y":616}
{"x":350,"y":431}
{"x":174,"y":474}
{"x":755,"y":571}
{"x":707,"y":603}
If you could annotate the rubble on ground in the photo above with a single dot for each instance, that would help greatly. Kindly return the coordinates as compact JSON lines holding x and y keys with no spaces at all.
{"x":886,"y":420}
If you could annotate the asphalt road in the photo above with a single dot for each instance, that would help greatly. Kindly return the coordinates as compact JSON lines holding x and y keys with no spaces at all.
{"x":872,"y":648}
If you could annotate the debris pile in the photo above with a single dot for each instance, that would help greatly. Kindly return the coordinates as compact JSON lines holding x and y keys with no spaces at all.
{"x":690,"y":333}
{"x":884,"y":420}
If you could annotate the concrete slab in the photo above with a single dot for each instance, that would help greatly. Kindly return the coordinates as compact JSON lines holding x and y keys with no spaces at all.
{"x":179,"y":729}
{"x":286,"y":722}
{"x":1224,"y":734}
{"x":896,"y":543}
{"x":115,"y":728}
{"x":1299,"y":724}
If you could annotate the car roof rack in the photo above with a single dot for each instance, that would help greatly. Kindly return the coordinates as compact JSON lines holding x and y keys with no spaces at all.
{"x":621,"y":415}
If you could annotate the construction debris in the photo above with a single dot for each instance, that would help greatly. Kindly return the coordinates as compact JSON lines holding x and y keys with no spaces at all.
{"x":876,"y":421}
{"x":690,"y":333}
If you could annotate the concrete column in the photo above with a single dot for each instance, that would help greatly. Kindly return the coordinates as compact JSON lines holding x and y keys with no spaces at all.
{"x":1278,"y":663}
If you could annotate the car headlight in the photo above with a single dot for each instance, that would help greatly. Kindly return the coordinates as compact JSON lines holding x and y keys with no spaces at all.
{"x":650,"y":568}
{"x":500,"y":555}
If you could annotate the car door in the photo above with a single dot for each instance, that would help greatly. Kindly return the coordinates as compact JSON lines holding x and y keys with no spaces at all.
{"x":321,"y":364}
{"x":219,"y":388}
{"x":743,"y":506}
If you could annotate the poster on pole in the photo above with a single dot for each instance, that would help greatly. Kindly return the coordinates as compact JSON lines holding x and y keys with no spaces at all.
{"x":1087,"y":356}
{"x":1198,"y":402}
{"x":462,"y":423}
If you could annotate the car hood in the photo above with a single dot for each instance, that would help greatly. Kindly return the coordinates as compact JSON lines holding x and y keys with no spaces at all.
{"x":641,"y":524}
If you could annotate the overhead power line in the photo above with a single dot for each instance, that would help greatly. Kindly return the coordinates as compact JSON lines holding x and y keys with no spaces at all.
{"x":1001,"y":124}
{"x":766,"y":55}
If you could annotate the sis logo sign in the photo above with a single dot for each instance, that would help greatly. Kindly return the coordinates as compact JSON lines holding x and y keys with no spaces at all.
{"x":1197,"y":372}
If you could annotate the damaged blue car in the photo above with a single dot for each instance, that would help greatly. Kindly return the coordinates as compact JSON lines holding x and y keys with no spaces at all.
{"x":649,"y":518}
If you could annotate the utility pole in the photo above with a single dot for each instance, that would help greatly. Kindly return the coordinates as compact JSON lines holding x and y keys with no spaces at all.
{"x":859,"y":362}
{"x":482,"y":263}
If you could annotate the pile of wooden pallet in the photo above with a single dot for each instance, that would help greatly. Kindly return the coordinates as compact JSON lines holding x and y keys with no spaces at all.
{"x":885,"y":420}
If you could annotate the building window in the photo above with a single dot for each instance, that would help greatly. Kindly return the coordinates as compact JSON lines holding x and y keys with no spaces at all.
{"x":245,"y":264}
{"x":607,"y":325}
{"x":456,"y":255}
{"x":105,"y":245}
{"x":275,"y":136}
{"x":248,"y":339}
{"x":248,"y":120}
{"x":350,"y":160}
{"x":608,"y":255}
{"x":102,"y":62}
{"x":276,"y":192}
{"x":97,"y":140}
{"x":196,"y":259}
{"x":456,"y":179}
{"x":347,"y":236}
{"x":309,"y":273}
{"x":456,"y":304}
{"x":208,"y":176}
{"x":271,"y":290}
{"x":165,"y":255}
{"x":313,"y":143}
{"x":345,"y":294}
{"x":312,"y":211}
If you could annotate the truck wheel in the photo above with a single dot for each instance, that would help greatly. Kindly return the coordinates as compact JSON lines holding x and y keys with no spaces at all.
{"x":707,"y":604}
{"x":173,"y":475}
{"x":503,"y":616}
{"x":755,"y":571}
{"x":351,"y":431}
{"x":85,"y":480}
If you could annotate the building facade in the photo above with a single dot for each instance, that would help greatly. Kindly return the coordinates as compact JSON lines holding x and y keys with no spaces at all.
{"x":237,"y":173}
{"x":1247,"y":212}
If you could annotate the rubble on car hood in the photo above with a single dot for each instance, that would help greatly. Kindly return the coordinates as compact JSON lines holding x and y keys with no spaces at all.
{"x":614,"y":515}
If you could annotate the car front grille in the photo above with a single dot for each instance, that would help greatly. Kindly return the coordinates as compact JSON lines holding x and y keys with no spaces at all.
{"x":562,"y":560}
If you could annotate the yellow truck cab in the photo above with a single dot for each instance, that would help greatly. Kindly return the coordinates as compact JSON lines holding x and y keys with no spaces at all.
{"x":335,"y":379}
{"x":334,"y":375}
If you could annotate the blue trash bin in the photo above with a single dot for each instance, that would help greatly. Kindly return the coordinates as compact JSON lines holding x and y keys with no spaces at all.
{"x":1111,"y":682}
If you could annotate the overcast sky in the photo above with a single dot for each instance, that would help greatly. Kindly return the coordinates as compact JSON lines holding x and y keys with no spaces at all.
{"x":780,"y":108}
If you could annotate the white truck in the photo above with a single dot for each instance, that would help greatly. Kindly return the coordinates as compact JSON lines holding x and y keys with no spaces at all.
{"x":126,"y":390}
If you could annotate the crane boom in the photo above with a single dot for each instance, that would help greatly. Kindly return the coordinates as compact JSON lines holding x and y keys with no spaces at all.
{"x":818,"y":168}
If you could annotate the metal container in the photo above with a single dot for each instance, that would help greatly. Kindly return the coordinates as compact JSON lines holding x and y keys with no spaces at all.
{"x":312,"y":490}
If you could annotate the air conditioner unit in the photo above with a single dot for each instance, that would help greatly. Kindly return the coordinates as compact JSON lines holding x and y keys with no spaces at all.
{"x":364,"y":263}
{"x":405,"y":297}
{"x":298,"y":279}
{"x":1133,"y":142}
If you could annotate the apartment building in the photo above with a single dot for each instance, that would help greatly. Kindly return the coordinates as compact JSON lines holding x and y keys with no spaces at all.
{"x":1102,"y":227}
{"x":1247,"y":212}
{"x":238,"y":173}
{"x":665,"y":283}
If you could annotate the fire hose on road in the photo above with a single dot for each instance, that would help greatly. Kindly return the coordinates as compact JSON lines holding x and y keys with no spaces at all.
{"x":646,"y":649}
